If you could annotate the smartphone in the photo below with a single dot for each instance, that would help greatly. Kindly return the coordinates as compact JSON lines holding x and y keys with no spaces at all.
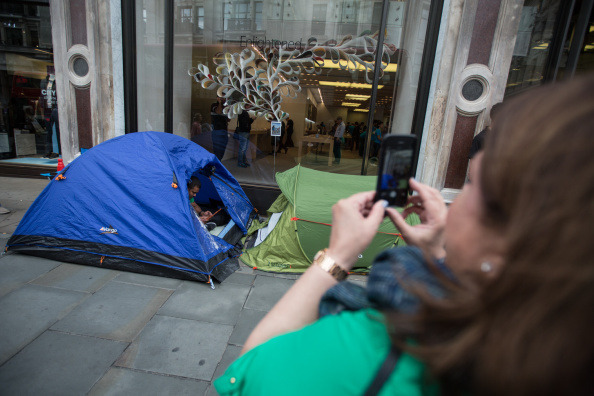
{"x":397,"y":163}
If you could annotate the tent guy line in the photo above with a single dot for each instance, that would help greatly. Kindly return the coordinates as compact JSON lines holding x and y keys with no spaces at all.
{"x":330,"y":225}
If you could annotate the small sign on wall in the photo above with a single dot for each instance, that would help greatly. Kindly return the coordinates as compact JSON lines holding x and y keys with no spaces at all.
{"x":275,"y":128}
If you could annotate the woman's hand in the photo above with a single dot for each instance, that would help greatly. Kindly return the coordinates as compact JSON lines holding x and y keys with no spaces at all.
{"x":429,"y":235}
{"x":355,"y":221}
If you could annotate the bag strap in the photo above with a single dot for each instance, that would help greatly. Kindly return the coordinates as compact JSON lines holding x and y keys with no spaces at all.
{"x":384,"y":372}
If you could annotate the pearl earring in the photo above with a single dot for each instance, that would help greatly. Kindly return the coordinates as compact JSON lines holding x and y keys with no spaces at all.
{"x":486,"y":266}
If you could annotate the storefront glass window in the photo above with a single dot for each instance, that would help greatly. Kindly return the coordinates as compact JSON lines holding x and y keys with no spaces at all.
{"x":29,"y":130}
{"x":541,"y":23}
{"x":301,"y":63}
{"x":533,"y":43}
{"x":150,"y":33}
{"x":584,"y":56}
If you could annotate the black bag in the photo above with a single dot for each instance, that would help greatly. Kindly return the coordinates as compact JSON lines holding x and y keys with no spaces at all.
{"x":384,"y":372}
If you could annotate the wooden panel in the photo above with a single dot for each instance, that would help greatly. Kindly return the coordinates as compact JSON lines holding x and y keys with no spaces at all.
{"x":487,"y":14}
{"x":78,"y":22}
{"x":83,"y":117}
{"x":458,"y":163}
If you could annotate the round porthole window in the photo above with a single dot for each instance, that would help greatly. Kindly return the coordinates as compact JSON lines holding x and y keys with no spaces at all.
{"x":472,"y":90}
{"x":80,"y":70}
{"x":80,"y":66}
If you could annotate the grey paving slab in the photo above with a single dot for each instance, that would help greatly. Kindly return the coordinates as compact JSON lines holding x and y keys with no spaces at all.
{"x":240,"y":278}
{"x":287,"y":276}
{"x":148,"y":280}
{"x":211,"y":391}
{"x":59,"y":364}
{"x":17,"y":194}
{"x":29,"y":311}
{"x":245,"y":269}
{"x":198,"y":301}
{"x":175,"y":346}
{"x":76,"y":277}
{"x":3,"y":239}
{"x":121,"y":381}
{"x":18,"y":269}
{"x":264,"y":273}
{"x":248,"y":319}
{"x":231,"y":353}
{"x":266,"y":292}
{"x":118,"y":311}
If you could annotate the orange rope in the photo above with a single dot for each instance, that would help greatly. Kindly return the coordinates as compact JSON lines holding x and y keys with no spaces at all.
{"x":330,"y":225}
{"x":211,"y":216}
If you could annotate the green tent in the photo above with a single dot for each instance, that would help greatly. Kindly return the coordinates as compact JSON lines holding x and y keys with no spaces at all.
{"x":299,"y":222}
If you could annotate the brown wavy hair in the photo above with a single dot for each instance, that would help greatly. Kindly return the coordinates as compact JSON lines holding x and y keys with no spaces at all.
{"x":531,"y":331}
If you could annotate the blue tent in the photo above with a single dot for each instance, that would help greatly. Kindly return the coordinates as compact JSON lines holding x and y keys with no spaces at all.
{"x":124,"y":205}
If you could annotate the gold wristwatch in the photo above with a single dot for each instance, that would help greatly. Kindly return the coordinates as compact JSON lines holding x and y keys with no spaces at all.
{"x":328,"y":264}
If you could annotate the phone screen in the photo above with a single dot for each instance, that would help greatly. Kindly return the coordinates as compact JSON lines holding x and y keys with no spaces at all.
{"x":396,"y":168}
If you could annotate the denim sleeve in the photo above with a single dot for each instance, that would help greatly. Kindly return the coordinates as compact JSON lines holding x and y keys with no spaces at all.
{"x":391,"y":277}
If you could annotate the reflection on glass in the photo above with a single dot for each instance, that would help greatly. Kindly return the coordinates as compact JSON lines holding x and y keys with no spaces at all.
{"x":585,"y":48}
{"x":308,"y":115}
{"x":534,"y":38}
{"x":29,"y":130}
{"x":150,"y":64}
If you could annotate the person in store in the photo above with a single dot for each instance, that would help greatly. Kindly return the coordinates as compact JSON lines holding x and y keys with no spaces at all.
{"x":517,"y":238}
{"x":205,"y":216}
{"x":220,"y":136}
{"x":356,"y":136}
{"x":196,"y":128}
{"x":290,"y":126}
{"x":376,"y":138}
{"x":322,"y":128}
{"x":338,"y":138}
{"x":351,"y":130}
{"x":53,"y":135}
{"x":362,"y":134}
{"x":244,"y":127}
{"x":282,"y":144}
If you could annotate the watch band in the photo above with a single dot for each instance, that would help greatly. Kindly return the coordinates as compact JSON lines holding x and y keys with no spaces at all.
{"x":328,"y":264}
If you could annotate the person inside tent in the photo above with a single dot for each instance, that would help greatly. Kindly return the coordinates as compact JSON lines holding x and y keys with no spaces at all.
{"x":204,"y":215}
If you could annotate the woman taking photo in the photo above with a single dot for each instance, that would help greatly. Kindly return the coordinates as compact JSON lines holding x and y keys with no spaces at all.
{"x":517,"y":319}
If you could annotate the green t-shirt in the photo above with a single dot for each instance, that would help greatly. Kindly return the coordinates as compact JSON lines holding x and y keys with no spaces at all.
{"x":337,"y":355}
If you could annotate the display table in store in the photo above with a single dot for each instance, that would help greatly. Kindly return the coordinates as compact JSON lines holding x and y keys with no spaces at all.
{"x":322,"y":139}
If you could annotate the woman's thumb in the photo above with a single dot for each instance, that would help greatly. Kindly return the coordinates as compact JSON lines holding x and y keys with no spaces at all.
{"x":378,"y":211}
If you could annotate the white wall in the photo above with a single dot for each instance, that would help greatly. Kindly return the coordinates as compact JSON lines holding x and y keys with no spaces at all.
{"x":410,"y":66}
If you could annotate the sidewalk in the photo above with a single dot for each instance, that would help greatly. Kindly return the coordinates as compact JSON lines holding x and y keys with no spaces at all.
{"x":72,"y":330}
